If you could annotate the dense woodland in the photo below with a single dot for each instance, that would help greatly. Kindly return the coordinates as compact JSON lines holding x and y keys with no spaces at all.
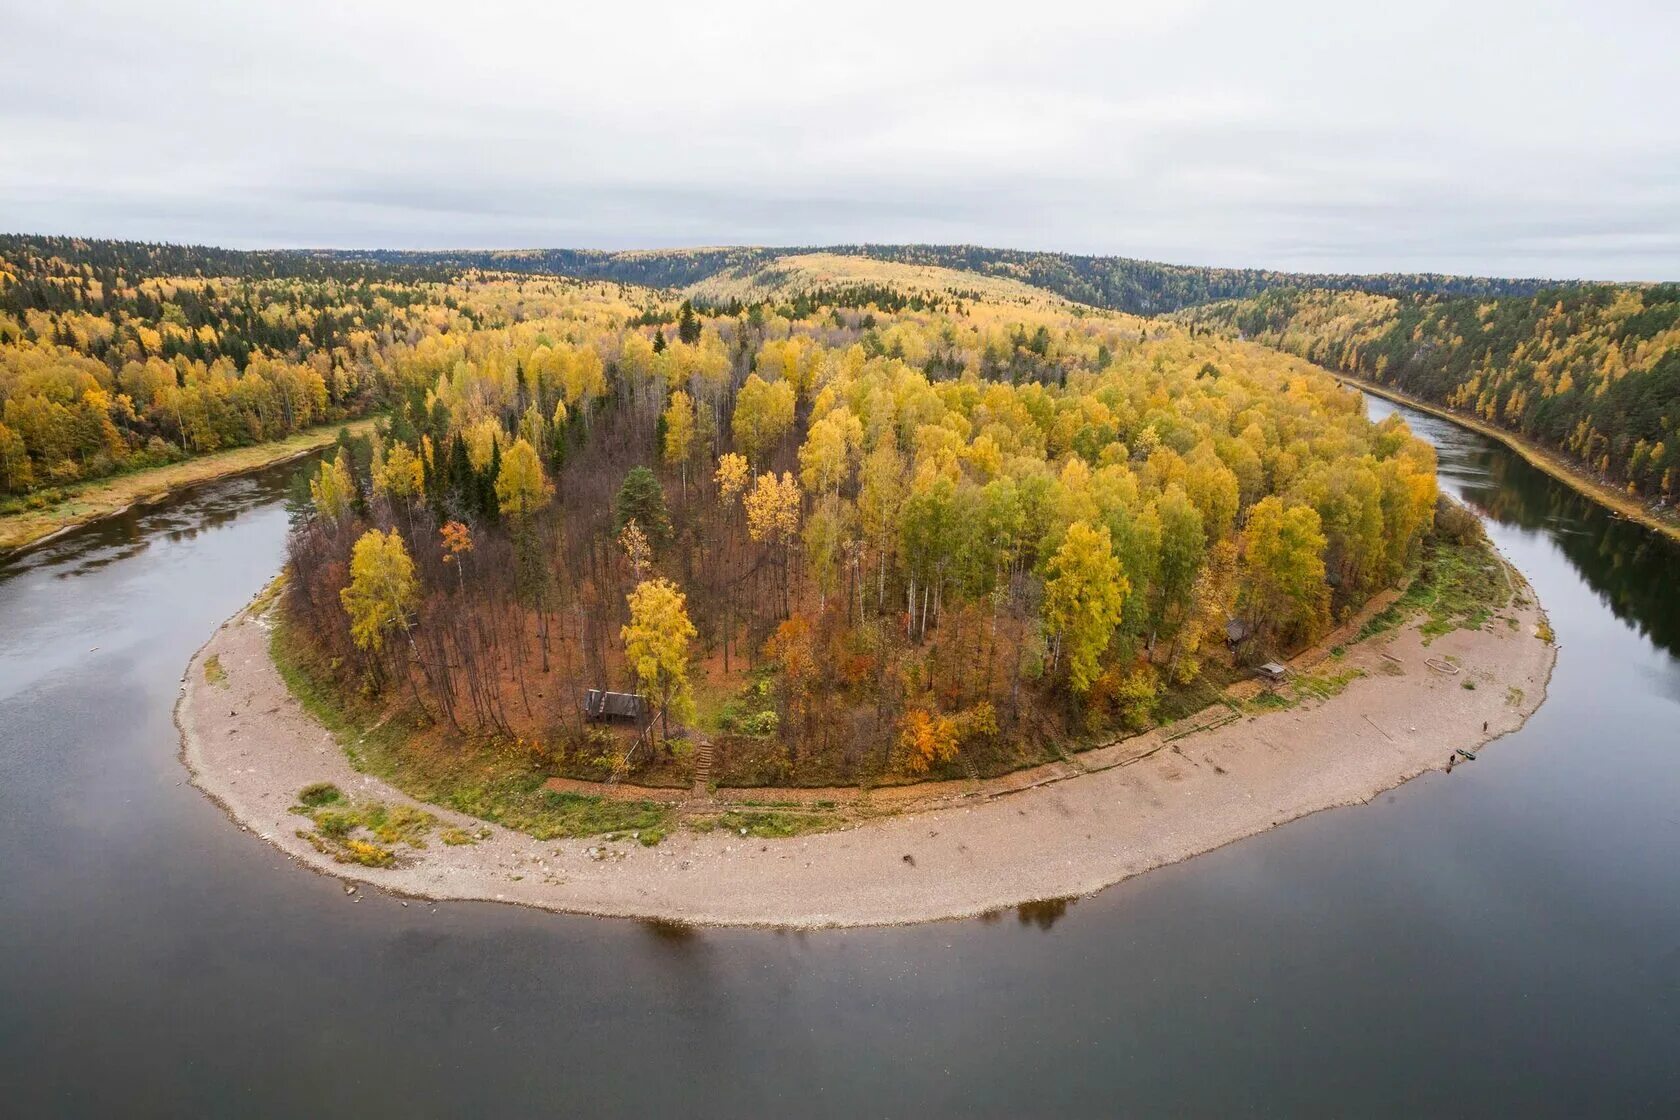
{"x":1593,"y":371}
{"x":852,"y":524}
{"x":1118,"y":283}
{"x":116,"y":355}
{"x":846,"y":543}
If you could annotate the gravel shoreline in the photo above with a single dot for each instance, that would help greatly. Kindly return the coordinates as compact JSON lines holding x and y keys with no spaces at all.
{"x":251,"y":747}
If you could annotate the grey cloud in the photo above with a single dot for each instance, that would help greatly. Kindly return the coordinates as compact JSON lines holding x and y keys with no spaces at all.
{"x":1500,"y":139}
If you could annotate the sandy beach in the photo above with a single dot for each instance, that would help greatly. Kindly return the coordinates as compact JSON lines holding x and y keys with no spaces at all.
{"x":1115,"y":812}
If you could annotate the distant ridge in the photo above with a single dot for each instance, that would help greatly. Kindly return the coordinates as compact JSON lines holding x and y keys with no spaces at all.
{"x":1120,"y":283}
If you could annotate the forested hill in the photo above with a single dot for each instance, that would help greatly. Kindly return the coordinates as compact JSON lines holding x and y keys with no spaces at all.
{"x":37,"y":258}
{"x":1120,"y":283}
{"x":1593,"y":371}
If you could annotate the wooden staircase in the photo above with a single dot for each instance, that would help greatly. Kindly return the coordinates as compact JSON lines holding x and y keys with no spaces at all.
{"x":703,"y":754}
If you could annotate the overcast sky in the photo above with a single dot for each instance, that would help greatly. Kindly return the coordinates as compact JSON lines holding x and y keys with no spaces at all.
{"x":1525,"y":138}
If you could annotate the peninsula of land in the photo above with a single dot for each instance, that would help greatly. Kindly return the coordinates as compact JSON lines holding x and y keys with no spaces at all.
{"x":1411,"y":700}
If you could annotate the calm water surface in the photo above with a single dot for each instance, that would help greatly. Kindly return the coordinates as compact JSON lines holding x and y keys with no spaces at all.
{"x":1504,"y":939}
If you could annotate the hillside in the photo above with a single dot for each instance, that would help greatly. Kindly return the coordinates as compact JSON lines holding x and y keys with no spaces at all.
{"x":832,"y":278}
{"x":118,"y":357}
{"x":1119,"y":283}
{"x":1591,"y":371}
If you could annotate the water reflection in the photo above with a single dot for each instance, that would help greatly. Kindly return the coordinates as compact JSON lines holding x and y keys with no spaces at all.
{"x":1531,"y":901}
{"x":1630,"y":567}
{"x":670,"y":932}
{"x":1043,"y":913}
{"x":181,"y":518}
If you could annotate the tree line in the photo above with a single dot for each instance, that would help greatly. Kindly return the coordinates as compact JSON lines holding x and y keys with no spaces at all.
{"x":1126,"y":284}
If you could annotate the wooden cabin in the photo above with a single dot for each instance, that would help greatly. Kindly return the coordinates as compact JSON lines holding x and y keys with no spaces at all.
{"x":599,"y":704}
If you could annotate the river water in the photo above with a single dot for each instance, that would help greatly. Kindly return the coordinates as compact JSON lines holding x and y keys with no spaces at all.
{"x":1506,"y":938}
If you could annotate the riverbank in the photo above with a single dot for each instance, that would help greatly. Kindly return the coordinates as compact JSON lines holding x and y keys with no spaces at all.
{"x":1554,"y":464}
{"x":110,"y":496}
{"x":1401,"y":703}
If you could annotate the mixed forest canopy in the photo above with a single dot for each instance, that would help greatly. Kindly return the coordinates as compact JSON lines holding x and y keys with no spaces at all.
{"x":1118,"y":283}
{"x":851,"y":544}
{"x":1592,"y":371}
{"x":116,"y":356}
{"x":851,"y":518}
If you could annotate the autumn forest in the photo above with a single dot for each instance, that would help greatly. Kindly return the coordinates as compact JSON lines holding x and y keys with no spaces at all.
{"x":884,"y":522}
{"x":849,"y":545}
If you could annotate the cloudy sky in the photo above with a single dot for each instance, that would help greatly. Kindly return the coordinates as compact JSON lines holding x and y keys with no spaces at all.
{"x":1527,"y":138}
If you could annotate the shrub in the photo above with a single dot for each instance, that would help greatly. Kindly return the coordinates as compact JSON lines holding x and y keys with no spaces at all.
{"x":321,"y":793}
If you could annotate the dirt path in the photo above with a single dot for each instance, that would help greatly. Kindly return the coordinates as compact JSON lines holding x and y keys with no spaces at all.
{"x":1145,"y":802}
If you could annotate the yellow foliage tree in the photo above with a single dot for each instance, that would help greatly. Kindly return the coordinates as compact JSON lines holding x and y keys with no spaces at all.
{"x":773,"y":508}
{"x":400,"y":477}
{"x":521,"y":487}
{"x":382,"y":590}
{"x":763,"y":414}
{"x":679,"y":433}
{"x":656,"y":645}
{"x":1084,"y":594}
{"x":733,"y":474}
{"x":333,"y":490}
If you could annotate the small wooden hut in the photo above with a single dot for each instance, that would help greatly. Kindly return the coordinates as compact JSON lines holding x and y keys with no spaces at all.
{"x":599,"y":704}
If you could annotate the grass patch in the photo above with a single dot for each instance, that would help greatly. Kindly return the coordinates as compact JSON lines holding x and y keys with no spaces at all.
{"x":1301,"y":688}
{"x":1458,"y":586}
{"x":213,"y":671}
{"x":1269,"y":700}
{"x":363,"y":832}
{"x":321,"y":793}
{"x":351,"y":850}
{"x":768,"y":826}
{"x":1322,"y":686}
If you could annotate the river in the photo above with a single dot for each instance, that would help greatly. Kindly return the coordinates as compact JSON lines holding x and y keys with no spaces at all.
{"x":1502,"y":939}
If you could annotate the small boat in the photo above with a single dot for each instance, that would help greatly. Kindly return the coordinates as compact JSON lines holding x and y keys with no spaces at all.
{"x":1469,"y":755}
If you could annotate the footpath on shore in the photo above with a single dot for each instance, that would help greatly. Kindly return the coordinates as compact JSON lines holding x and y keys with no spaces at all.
{"x":1140,"y":804}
